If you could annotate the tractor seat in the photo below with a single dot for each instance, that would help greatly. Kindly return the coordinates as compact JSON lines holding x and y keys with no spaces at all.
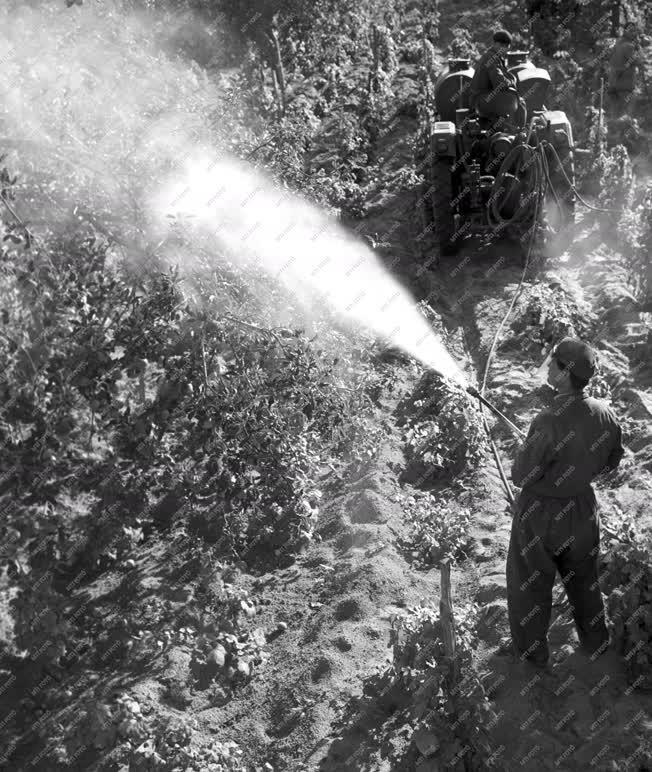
{"x":489,"y":123}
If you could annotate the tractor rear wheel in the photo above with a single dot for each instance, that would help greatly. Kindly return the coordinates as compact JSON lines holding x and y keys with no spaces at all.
{"x":442,"y":209}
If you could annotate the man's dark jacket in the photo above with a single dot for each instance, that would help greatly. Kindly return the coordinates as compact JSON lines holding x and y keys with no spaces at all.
{"x":490,"y":75}
{"x":567,"y":447}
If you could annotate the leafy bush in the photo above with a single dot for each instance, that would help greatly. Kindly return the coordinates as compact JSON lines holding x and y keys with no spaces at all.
{"x":95,"y":725}
{"x":462,"y":45}
{"x":628,"y":586}
{"x":635,"y":231}
{"x":227,"y":652}
{"x":41,"y":624}
{"x":546,"y":314}
{"x":385,"y":62}
{"x":567,"y":77}
{"x":444,"y":436}
{"x":626,"y":131}
{"x":592,"y":134}
{"x":178,"y":694}
{"x":616,"y":188}
{"x":169,"y":748}
{"x":437,"y":530}
{"x":449,"y":718}
{"x":599,"y":388}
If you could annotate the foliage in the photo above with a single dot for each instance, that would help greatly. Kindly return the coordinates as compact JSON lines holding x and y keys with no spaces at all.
{"x":427,"y":74}
{"x":41,"y":625}
{"x":628,"y":586}
{"x":462,"y":45}
{"x":437,"y":530}
{"x":444,"y":436}
{"x":635,"y":231}
{"x":567,"y":80}
{"x":616,"y":187}
{"x":385,"y":62}
{"x":178,"y":694}
{"x":627,"y":131}
{"x":622,"y":526}
{"x":593,"y":25}
{"x":571,"y":24}
{"x":230,"y":653}
{"x":169,"y":747}
{"x":599,"y":388}
{"x":550,"y":38}
{"x":252,"y":18}
{"x":597,"y":129}
{"x":324,"y":145}
{"x":119,"y":390}
{"x":546,"y":315}
{"x":591,"y":134}
{"x":94,"y":725}
{"x":450,"y":716}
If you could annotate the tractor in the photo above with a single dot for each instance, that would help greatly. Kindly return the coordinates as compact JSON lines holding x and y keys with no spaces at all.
{"x":490,"y":177}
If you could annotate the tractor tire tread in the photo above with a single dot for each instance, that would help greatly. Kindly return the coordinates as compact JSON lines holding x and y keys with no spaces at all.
{"x":443,"y":215}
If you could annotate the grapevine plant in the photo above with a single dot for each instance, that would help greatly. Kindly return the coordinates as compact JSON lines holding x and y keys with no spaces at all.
{"x":443,"y":432}
{"x":437,"y":530}
{"x":628,"y":585}
{"x":616,"y":188}
{"x":449,"y":709}
{"x":546,"y":315}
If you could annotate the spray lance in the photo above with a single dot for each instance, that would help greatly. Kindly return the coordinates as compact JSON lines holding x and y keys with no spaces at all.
{"x":472,"y":391}
{"x":475,"y":393}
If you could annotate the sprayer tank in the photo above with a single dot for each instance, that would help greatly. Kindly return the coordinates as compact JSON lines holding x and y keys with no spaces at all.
{"x":452,"y":89}
{"x":533,"y":85}
{"x":517,"y":60}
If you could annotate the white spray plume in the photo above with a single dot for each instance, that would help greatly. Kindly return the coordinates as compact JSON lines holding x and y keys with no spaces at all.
{"x":110,"y":116}
{"x":321,"y":263}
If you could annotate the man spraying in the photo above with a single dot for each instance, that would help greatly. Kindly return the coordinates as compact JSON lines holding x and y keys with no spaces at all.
{"x":555,"y":525}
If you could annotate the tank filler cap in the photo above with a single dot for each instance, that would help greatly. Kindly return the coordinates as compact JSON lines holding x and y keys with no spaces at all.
{"x":457,"y":65}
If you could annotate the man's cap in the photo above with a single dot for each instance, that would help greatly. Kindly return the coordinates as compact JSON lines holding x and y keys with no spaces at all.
{"x":502,"y":36}
{"x":577,"y":357}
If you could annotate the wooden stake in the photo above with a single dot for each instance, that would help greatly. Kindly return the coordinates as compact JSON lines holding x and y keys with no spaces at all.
{"x":600,"y":113}
{"x":447,"y":618}
{"x":91,"y":430}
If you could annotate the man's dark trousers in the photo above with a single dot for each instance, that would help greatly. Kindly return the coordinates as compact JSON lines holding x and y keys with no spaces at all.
{"x":550,"y":535}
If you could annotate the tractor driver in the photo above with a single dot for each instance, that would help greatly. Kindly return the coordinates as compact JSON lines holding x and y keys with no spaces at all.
{"x":492,"y":93}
